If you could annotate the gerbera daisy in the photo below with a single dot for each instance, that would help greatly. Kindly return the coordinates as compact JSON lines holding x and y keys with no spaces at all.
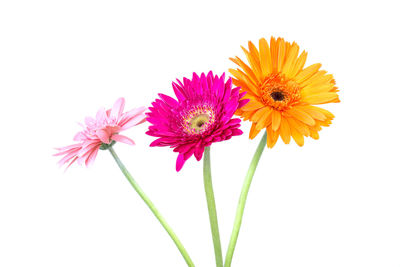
{"x":282,"y":92}
{"x":201,"y":115}
{"x":101,"y":132}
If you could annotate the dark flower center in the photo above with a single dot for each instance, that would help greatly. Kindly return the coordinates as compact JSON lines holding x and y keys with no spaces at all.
{"x":277,"y":96}
{"x":200,"y":123}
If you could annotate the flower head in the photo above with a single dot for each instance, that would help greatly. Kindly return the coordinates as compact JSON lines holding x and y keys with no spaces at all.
{"x":282,"y":92}
{"x":201,"y":115}
{"x":101,"y":132}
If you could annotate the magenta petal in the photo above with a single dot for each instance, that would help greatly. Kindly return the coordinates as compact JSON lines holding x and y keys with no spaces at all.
{"x":237,"y":132}
{"x":198,"y":153}
{"x":169,"y":100}
{"x":243,"y":102}
{"x":179,"y":162}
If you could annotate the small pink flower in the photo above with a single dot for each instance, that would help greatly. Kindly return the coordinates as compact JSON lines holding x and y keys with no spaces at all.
{"x":101,"y":132}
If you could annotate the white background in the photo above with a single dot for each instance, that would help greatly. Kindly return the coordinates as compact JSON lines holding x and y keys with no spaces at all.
{"x":334,"y":202}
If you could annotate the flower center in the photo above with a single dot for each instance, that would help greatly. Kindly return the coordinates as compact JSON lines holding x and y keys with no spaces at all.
{"x":198,"y":119}
{"x":197,"y":123}
{"x":279,"y":93}
{"x":277,"y":96}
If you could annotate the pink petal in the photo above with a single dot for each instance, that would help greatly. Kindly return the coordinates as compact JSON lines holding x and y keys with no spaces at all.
{"x":69,"y":147}
{"x":89,"y":121}
{"x":72,"y":150}
{"x":72,"y":161}
{"x":122,"y":139}
{"x":117,"y":109}
{"x":127,"y":116}
{"x":67,"y":158}
{"x":135,"y":111}
{"x":101,"y":115}
{"x":90,"y":159}
{"x":103,"y":136}
{"x":134,"y":121}
{"x":89,"y":147}
{"x":80,"y":136}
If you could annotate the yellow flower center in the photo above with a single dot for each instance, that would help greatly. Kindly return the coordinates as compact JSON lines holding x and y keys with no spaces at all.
{"x":198,"y":119}
{"x":197,"y":123}
{"x":279,"y":93}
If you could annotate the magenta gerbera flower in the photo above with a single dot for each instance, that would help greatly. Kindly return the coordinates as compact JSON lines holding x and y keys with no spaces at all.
{"x":201,"y":116}
{"x":101,"y":132}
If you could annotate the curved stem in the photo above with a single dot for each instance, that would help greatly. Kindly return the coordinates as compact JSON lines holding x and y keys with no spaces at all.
{"x":212,"y":211}
{"x":152,"y":208}
{"x":242,"y":200}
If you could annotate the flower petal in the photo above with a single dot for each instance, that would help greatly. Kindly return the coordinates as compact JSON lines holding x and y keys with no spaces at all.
{"x":179,"y":162}
{"x":122,"y":139}
{"x":103,"y":136}
{"x":276,"y":120}
{"x":117,"y":109}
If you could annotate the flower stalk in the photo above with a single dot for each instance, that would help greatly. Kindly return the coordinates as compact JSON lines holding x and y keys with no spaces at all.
{"x":153,"y":209}
{"x":242,"y":200}
{"x":212,"y":211}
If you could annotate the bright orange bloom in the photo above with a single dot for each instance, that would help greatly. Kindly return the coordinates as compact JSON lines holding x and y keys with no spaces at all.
{"x":282,"y":92}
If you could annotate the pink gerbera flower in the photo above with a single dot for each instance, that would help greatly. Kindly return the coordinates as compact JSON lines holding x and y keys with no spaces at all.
{"x":101,"y":132}
{"x":201,"y":116}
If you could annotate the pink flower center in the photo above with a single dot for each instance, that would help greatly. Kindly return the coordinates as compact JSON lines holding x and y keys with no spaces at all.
{"x":198,"y":119}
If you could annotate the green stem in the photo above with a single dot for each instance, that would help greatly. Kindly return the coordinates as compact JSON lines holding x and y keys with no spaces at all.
{"x":242,"y":200}
{"x":212,"y":211}
{"x":152,"y":208}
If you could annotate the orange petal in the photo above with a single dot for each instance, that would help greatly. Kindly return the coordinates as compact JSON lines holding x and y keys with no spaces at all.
{"x":274,"y":54}
{"x":281,"y":53}
{"x":299,"y":64}
{"x":322,"y":98}
{"x":299,"y":126}
{"x":297,"y":137}
{"x":265,"y":57}
{"x":312,"y":89}
{"x":252,"y":105}
{"x":314,"y":135}
{"x":318,"y":76}
{"x":253,"y":131}
{"x":289,"y":62}
{"x":276,"y":120}
{"x":328,"y":114}
{"x":246,"y":69}
{"x":302,"y":116}
{"x":272,"y":137}
{"x":285,"y":131}
{"x":243,"y":87}
{"x":264,"y":120}
{"x":307,"y":73}
{"x":258,"y":114}
{"x":316,"y":114}
{"x":246,"y":80}
{"x":253,"y":60}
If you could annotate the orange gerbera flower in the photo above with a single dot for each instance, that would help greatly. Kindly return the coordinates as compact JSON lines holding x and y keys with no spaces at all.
{"x":282,"y":92}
